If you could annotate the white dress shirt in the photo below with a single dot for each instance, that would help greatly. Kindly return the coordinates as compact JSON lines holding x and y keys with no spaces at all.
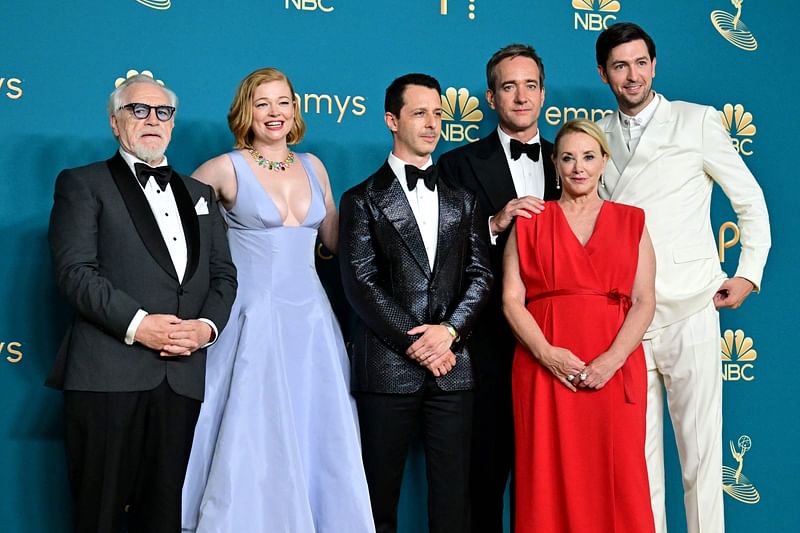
{"x":633,"y":127}
{"x":424,"y":204}
{"x":165,"y":211}
{"x":527,"y":175}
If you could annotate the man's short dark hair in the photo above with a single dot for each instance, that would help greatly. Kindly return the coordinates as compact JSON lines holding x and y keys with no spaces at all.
{"x":621,"y":33}
{"x":512,"y":50}
{"x":394,"y":93}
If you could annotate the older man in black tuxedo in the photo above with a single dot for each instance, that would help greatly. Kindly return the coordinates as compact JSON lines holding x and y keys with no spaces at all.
{"x":140,"y":253}
{"x":415,"y":269}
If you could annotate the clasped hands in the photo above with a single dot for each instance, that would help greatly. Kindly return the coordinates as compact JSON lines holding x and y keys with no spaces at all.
{"x":432,"y":349}
{"x":572,"y":372}
{"x":172,"y":336}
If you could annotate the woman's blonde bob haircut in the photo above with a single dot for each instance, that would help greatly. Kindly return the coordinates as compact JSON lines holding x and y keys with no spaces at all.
{"x":581,"y":125}
{"x":240,"y":116}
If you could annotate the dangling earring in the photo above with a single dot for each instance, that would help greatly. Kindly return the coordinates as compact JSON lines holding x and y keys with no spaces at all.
{"x":602,"y":181}
{"x":558,"y":181}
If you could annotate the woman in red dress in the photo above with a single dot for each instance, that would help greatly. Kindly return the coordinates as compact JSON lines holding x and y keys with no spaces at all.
{"x":578,"y":292}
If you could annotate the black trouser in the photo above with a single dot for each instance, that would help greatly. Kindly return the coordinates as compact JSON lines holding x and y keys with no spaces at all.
{"x":388,"y":422}
{"x":128,"y":451}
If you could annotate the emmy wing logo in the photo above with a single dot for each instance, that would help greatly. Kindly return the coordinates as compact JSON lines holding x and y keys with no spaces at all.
{"x":733,"y":29}
{"x":738,"y":356}
{"x":734,"y":482}
{"x":156,"y":4}
{"x":594,"y":16}
{"x":739,"y":124}
{"x":458,"y":106}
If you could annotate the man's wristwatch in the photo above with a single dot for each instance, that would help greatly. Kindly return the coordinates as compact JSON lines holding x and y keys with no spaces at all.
{"x":451,"y":330}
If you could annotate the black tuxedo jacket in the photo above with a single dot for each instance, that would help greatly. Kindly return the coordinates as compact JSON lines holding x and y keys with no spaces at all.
{"x":388,"y":280}
{"x":482,"y":168}
{"x":110,"y":260}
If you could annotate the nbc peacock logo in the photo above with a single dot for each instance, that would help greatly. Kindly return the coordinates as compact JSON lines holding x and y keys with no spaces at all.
{"x":738,"y":356}
{"x":161,"y":5}
{"x":739,"y":124}
{"x":460,"y":113}
{"x":594,"y":15}
{"x":131,"y":73}
{"x":734,"y":482}
{"x":733,"y":28}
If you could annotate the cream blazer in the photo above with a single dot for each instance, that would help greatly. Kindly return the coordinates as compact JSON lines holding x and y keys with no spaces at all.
{"x":683,"y":151}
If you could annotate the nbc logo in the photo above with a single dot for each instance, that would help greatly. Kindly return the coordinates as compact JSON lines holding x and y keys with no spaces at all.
{"x":733,"y":29}
{"x":734,"y":482}
{"x":309,"y":5}
{"x":131,"y":73}
{"x":738,"y":355}
{"x":156,"y":4}
{"x":587,"y":18}
{"x":739,"y":124}
{"x":458,"y":106}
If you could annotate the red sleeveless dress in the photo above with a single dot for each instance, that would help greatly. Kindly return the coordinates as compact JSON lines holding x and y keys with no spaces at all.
{"x":580,"y":464}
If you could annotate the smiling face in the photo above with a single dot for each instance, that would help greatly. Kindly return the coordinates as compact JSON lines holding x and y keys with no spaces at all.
{"x":416,"y":130}
{"x":517,"y":97}
{"x":273,"y":112}
{"x":580,"y":162}
{"x":145,"y":138}
{"x":629,"y":72}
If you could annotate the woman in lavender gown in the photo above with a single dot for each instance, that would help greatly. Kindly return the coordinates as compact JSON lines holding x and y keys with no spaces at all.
{"x":276,"y":448}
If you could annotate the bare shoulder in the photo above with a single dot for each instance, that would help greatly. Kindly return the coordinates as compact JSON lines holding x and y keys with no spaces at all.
{"x":216,"y":170}
{"x":319,"y":168}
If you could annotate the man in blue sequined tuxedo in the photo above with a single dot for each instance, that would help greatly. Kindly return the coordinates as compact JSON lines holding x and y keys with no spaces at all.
{"x":413,"y":252}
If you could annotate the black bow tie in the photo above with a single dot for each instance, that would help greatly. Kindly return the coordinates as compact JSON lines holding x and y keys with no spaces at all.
{"x":161,"y":174}
{"x":519,"y":148}
{"x":413,"y":175}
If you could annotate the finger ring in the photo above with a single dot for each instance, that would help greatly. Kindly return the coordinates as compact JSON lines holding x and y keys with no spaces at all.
{"x":583,"y":376}
{"x":570,"y":377}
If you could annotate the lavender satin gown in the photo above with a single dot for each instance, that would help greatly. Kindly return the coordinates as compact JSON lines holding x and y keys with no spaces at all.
{"x":277,"y":446}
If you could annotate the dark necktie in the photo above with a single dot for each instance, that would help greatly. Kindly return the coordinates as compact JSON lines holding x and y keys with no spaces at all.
{"x":413,"y":175}
{"x":519,"y":148}
{"x":161,"y":174}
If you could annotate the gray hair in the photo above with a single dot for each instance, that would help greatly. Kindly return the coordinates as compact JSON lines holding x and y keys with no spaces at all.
{"x":115,"y":98}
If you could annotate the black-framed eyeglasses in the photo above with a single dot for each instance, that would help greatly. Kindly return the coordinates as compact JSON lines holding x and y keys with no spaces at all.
{"x":142,"y":111}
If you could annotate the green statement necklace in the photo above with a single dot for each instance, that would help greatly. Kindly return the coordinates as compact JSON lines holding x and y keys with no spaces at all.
{"x":277,"y":166}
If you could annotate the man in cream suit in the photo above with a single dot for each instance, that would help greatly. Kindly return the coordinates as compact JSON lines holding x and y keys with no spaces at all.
{"x":666,"y":157}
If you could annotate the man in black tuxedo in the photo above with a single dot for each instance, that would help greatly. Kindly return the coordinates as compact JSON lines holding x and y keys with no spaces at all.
{"x":415,"y":269}
{"x":509,"y":171}
{"x":141,"y":254}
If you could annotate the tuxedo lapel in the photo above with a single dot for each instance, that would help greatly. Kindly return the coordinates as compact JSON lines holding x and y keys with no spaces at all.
{"x":650,"y":142}
{"x":551,"y":192}
{"x":140,"y":212}
{"x":387,"y":194}
{"x":491,"y":170}
{"x":450,"y":216}
{"x":191,"y":226}
{"x":619,"y":152}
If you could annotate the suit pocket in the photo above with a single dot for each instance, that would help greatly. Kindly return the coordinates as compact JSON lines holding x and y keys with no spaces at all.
{"x":693,"y":252}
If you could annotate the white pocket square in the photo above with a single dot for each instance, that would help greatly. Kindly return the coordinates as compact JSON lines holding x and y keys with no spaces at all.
{"x":201,"y":207}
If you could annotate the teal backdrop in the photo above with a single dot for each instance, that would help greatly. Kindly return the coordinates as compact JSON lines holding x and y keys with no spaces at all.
{"x":60,"y":61}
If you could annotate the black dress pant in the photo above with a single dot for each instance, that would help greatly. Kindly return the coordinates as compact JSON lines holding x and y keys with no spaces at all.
{"x":127,"y":454}
{"x":388,"y":421}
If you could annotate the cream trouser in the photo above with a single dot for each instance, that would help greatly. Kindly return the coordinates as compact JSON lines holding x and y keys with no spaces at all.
{"x":684,"y":358}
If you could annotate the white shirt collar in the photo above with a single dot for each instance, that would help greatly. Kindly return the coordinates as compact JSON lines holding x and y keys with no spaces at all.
{"x":131,"y":159}
{"x":398,"y":166}
{"x":643,"y":117}
{"x":505,"y":141}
